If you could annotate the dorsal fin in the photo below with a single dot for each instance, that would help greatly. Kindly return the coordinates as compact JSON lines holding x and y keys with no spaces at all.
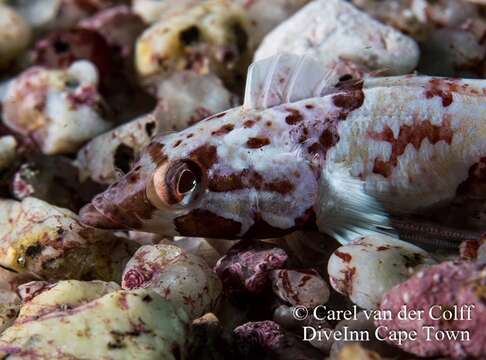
{"x":285,"y":78}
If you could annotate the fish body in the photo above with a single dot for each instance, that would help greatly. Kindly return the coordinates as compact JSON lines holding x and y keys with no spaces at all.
{"x":343,"y":158}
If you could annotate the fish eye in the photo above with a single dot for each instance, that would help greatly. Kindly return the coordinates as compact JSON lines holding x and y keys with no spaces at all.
{"x":175,"y":183}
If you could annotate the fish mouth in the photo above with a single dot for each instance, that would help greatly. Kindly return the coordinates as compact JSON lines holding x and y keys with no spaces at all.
{"x":91,"y":216}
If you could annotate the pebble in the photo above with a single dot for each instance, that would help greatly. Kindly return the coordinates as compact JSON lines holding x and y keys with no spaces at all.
{"x":139,"y":322}
{"x":246,"y":266}
{"x":181,"y":277}
{"x":368,"y":267}
{"x":335,"y":31}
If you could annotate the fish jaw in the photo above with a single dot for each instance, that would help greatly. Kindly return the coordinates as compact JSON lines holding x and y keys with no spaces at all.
{"x":91,"y":216}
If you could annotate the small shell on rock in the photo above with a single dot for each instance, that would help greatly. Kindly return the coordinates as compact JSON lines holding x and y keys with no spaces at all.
{"x":181,"y":277}
{"x":368,"y":267}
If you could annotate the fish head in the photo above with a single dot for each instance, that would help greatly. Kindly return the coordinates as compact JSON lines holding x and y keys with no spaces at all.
{"x":232,"y":175}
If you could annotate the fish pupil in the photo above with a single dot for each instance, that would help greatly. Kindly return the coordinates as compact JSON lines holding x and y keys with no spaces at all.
{"x":187,"y":182}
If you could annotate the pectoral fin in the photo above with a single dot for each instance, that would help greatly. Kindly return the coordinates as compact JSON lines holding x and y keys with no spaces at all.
{"x":348,"y":212}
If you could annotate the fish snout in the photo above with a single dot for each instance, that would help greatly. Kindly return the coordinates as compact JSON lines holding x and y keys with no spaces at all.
{"x":91,"y":216}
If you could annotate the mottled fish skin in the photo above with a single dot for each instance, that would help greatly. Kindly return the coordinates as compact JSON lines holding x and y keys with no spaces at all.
{"x":412,"y":141}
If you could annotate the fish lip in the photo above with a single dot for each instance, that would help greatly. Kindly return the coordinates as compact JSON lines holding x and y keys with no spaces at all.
{"x":91,"y":216}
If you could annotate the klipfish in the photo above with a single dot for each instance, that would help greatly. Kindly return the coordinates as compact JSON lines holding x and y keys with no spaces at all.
{"x":402,"y":154}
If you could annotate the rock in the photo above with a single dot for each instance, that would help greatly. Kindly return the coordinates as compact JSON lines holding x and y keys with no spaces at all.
{"x":9,"y":308}
{"x":185,"y":98}
{"x":119,"y":26}
{"x":175,"y":274}
{"x":8,"y":151}
{"x":246,"y":266}
{"x":58,"y":109}
{"x":53,"y":179}
{"x":210,"y":37}
{"x":119,"y":325}
{"x":15,"y":35}
{"x":265,"y":15}
{"x":312,"y":249}
{"x":449,"y":30}
{"x":368,"y":267}
{"x":60,"y":49}
{"x":199,"y":247}
{"x":286,"y":317}
{"x":416,"y":17}
{"x":208,"y":342}
{"x":300,"y":287}
{"x":440,"y":292}
{"x":50,"y":242}
{"x":10,"y":280}
{"x":468,"y":250}
{"x":356,"y":352}
{"x":363,"y":325}
{"x":44,"y":15}
{"x":262,"y":15}
{"x":154,"y":10}
{"x":461,"y":51}
{"x":112,"y":58}
{"x":267,"y":340}
{"x":335,"y":32}
{"x":40,"y":298}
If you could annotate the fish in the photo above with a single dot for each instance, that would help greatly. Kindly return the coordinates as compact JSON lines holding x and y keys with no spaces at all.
{"x":309,"y":151}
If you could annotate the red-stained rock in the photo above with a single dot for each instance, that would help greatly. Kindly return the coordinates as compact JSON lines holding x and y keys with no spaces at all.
{"x":118,"y":25}
{"x":246,"y":266}
{"x":267,"y":340}
{"x":468,"y":249}
{"x":183,"y":278}
{"x":450,"y":286}
{"x":300,"y":287}
{"x":61,"y":48}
